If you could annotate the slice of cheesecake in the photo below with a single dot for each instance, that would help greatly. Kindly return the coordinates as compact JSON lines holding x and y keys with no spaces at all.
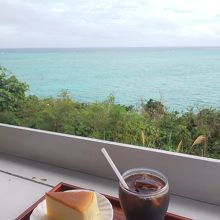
{"x":79,"y":205}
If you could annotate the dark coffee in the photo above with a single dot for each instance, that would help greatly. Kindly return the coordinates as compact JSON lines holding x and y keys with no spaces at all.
{"x":146,"y":198}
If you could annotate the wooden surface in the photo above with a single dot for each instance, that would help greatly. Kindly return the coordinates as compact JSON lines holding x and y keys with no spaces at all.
{"x":118,"y":213}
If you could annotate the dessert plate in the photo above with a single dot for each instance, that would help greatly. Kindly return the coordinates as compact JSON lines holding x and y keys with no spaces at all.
{"x":105,"y":208}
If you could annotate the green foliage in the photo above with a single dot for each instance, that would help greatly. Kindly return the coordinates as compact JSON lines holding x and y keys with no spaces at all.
{"x":150,"y":125}
{"x":153,"y":107}
{"x":12,"y":92}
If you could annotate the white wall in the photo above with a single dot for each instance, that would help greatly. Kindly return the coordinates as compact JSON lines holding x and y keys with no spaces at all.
{"x":189,"y":176}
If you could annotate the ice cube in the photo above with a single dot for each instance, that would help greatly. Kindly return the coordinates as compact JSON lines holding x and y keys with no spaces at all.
{"x":155,"y":201}
{"x":145,"y":184}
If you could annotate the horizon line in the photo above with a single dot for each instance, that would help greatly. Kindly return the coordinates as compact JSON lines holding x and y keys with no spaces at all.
{"x":108,"y":47}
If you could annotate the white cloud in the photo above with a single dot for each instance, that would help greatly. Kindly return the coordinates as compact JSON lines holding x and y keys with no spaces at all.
{"x":109,"y":23}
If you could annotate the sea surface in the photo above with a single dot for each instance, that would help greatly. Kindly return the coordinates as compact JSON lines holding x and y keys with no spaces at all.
{"x":179,"y":77}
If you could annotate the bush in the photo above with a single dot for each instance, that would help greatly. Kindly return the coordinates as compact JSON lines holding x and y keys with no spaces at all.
{"x":150,"y":125}
{"x":12,"y":91}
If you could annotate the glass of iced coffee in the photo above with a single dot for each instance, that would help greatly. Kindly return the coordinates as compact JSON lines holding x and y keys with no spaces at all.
{"x":147,"y":196}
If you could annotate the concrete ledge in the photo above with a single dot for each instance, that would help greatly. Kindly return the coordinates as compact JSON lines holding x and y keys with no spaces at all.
{"x":16,"y":180}
{"x":189,"y":176}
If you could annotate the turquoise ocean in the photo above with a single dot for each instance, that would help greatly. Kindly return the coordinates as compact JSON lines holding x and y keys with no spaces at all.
{"x":179,"y":77}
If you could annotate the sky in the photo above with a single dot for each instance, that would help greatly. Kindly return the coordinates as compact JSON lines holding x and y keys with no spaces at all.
{"x":109,"y":23}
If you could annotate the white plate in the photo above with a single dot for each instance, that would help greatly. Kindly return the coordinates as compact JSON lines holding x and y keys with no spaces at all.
{"x":105,"y":208}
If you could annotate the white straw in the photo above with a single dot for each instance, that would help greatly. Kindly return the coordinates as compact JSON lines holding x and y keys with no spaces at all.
{"x":114,"y":168}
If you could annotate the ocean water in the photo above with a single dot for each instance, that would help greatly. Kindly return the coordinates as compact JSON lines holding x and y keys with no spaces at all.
{"x":180,"y":77}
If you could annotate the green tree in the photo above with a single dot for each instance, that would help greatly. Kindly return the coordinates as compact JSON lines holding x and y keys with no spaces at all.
{"x":12,"y":91}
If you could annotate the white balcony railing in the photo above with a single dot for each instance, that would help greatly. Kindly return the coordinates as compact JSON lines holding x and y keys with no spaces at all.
{"x":191,"y":177}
